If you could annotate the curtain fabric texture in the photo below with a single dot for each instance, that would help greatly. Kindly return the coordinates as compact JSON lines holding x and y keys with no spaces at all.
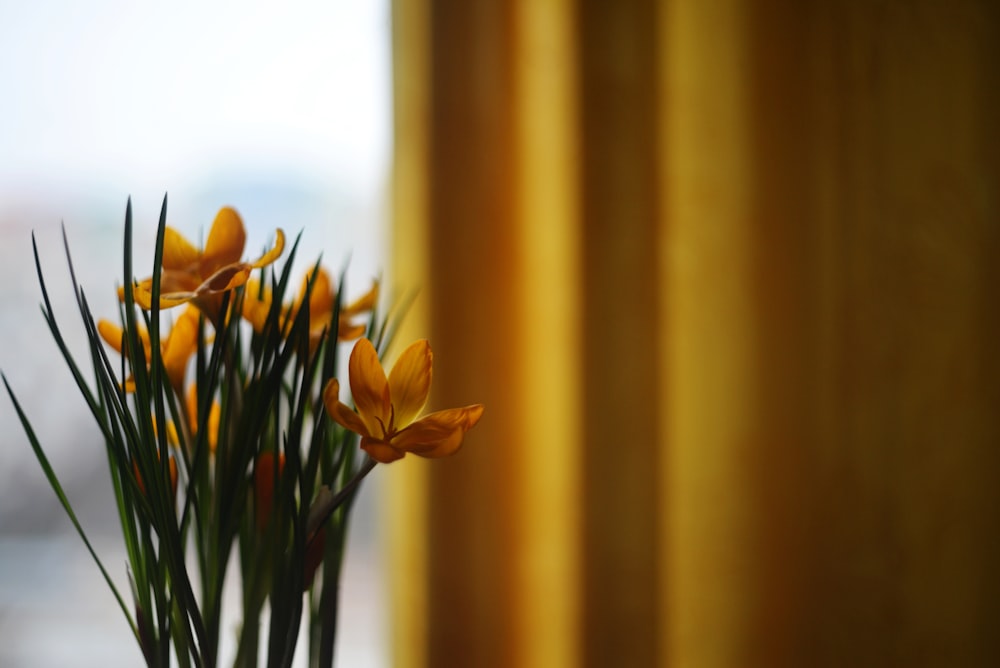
{"x":724,"y":275}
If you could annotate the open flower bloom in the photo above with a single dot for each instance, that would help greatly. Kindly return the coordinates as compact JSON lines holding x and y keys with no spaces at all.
{"x":202,"y":276}
{"x":322,"y":299}
{"x":387,"y":408}
{"x":175,"y":349}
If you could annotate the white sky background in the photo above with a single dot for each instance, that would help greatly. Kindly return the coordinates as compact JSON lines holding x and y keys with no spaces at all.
{"x":139,"y":94}
{"x":283,"y":113}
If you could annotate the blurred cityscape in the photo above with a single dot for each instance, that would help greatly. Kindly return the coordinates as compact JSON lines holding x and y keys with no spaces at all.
{"x":285,"y":118}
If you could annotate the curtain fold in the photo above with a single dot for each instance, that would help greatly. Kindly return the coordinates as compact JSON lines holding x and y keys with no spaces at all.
{"x":722,"y":273}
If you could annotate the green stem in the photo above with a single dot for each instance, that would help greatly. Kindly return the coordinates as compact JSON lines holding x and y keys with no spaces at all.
{"x":326,"y":502}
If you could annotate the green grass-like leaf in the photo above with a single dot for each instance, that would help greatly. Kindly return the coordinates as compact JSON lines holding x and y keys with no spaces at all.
{"x":53,"y":479}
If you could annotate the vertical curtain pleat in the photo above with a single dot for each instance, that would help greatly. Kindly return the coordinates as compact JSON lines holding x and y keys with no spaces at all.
{"x":406,"y":528}
{"x":621,"y":445}
{"x":723,"y":274}
{"x":547,"y":477}
{"x":473,"y":265}
{"x":707,"y":244}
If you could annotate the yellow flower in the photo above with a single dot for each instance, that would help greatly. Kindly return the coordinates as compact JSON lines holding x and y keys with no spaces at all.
{"x":113,"y":334}
{"x":214,"y":414}
{"x":190,"y":275}
{"x":257,"y":304}
{"x":387,"y":407}
{"x":175,"y":349}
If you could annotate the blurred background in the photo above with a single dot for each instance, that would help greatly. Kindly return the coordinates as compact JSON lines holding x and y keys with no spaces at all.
{"x":284,"y":115}
{"x":721,"y":271}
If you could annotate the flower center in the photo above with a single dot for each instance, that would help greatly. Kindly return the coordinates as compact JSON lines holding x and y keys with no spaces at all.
{"x":390,"y":431}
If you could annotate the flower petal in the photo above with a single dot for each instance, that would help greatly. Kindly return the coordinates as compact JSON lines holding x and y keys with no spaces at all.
{"x":366,"y":302}
{"x":191,"y":401}
{"x":321,"y":297}
{"x":273,"y":254}
{"x":180,"y":345}
{"x":410,"y":382}
{"x":265,"y":478}
{"x":177,"y":281}
{"x":211,"y":424}
{"x":438,"y":434}
{"x":340,"y":412}
{"x":214,"y":416}
{"x":111,"y":333}
{"x":256,"y":305}
{"x":142,"y":295}
{"x":370,"y":388}
{"x":178,"y":252}
{"x":173,"y":299}
{"x":225,"y":241}
{"x":380,"y":451}
{"x":172,"y":466}
{"x":225,"y":279}
{"x":346,"y":331}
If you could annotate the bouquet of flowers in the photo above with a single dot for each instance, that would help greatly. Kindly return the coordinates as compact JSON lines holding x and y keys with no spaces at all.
{"x":229,"y":440}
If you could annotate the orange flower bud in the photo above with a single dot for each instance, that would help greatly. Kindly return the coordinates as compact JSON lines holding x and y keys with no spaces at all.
{"x":264,"y":479}
{"x":172,"y":465}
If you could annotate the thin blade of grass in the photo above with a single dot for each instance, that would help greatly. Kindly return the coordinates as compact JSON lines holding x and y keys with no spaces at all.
{"x":53,"y":479}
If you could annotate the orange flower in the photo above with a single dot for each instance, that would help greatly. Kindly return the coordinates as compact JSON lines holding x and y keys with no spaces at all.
{"x":264,"y":478}
{"x":387,"y":407}
{"x":176,"y":348}
{"x":257,"y":304}
{"x":112,"y":335}
{"x":190,"y":275}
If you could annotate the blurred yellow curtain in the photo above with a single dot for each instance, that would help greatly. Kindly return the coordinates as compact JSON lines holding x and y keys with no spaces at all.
{"x":725,"y":274}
